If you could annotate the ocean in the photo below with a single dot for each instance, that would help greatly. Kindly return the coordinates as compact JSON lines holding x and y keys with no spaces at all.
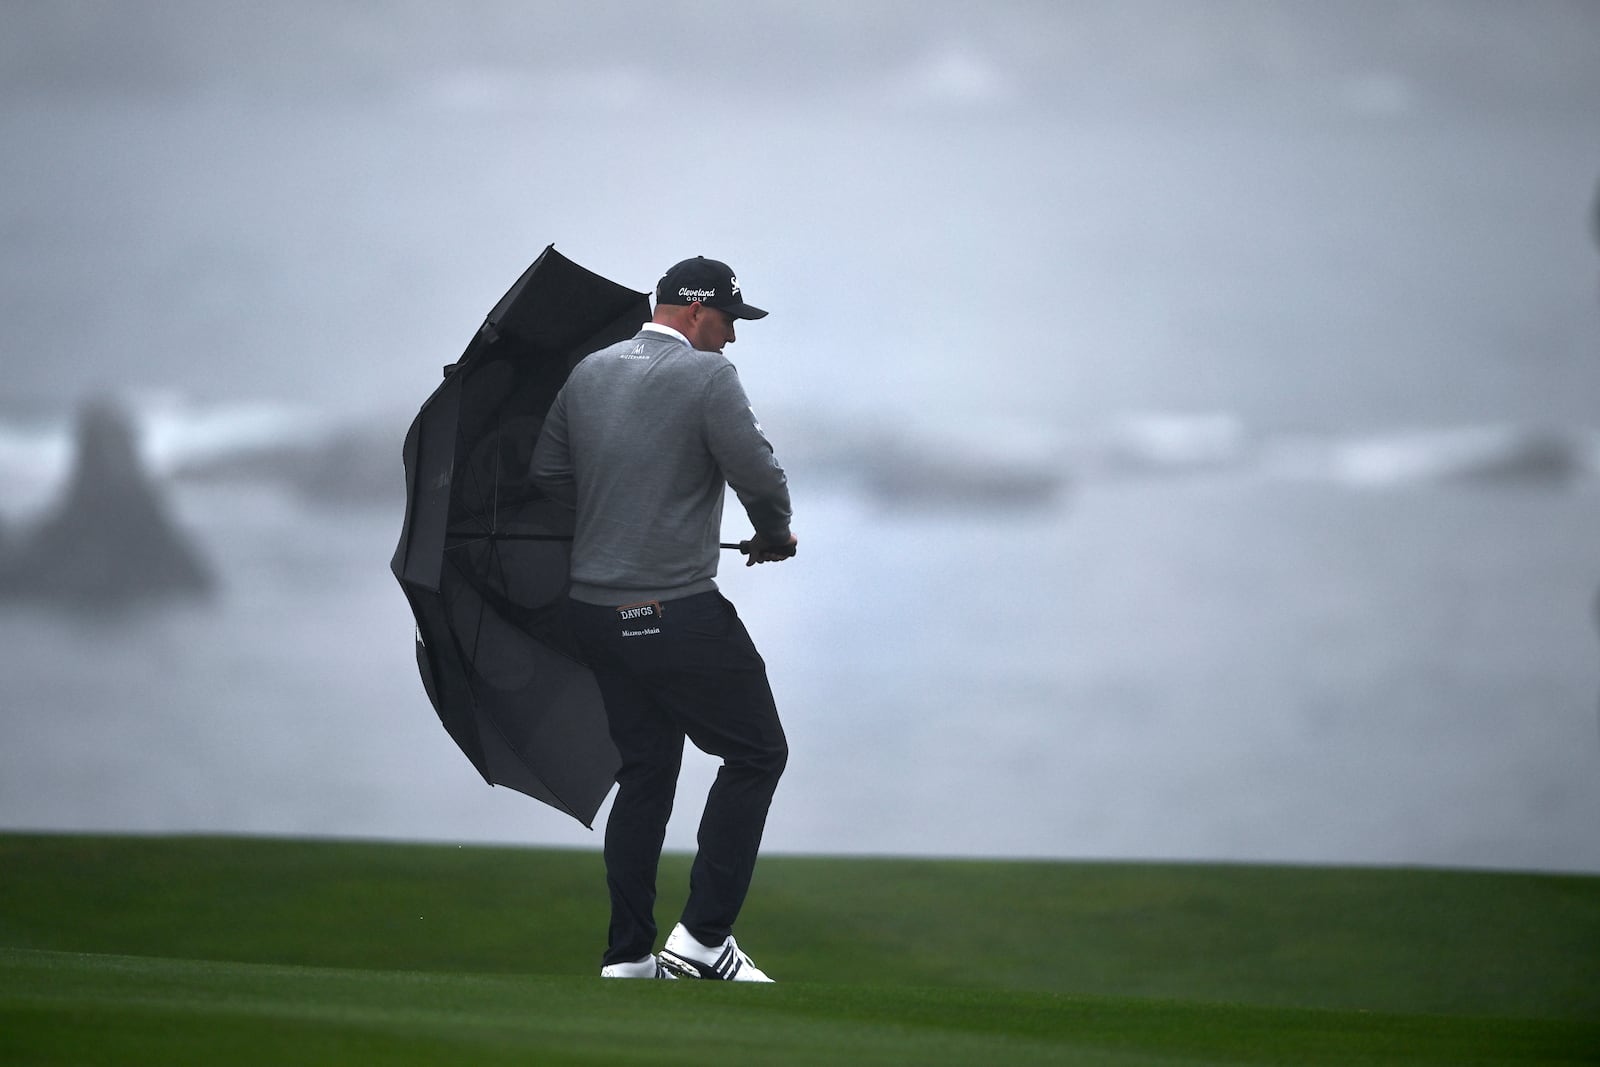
{"x":1243,"y":661}
{"x":1190,"y":414}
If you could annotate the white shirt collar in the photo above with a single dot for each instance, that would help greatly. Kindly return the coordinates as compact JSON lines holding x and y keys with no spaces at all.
{"x":668,"y":330}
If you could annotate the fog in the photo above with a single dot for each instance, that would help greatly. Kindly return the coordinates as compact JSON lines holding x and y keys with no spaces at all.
{"x":1296,"y":306}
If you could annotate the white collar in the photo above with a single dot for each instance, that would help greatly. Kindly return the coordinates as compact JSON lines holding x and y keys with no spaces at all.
{"x":668,"y":330}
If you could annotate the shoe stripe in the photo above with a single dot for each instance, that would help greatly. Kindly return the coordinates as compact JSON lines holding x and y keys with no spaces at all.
{"x":726,"y":968}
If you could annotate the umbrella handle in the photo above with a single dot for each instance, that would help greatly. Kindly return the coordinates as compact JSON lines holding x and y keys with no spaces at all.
{"x":744,"y":547}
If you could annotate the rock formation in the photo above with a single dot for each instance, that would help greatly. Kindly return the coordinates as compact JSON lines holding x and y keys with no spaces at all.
{"x":109,"y":539}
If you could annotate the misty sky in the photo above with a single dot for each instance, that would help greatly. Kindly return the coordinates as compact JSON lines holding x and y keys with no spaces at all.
{"x":1363,"y":213}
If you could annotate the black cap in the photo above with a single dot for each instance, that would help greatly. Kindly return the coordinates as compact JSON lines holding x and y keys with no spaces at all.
{"x":710,"y":282}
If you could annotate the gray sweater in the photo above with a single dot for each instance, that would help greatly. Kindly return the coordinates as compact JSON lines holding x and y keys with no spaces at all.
{"x":642,"y":440}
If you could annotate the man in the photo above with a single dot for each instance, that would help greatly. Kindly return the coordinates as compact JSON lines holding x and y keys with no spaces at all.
{"x":643,"y":440}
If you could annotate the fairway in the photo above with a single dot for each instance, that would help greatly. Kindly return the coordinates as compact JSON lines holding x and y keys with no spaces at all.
{"x":257,"y":951}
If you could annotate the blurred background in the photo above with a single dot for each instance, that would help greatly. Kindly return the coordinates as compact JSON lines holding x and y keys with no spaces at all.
{"x":1189,"y":408}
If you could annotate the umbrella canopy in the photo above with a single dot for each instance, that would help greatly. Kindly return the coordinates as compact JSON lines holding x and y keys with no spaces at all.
{"x":483,"y":554}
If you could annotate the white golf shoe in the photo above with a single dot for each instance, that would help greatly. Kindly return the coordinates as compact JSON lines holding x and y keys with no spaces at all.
{"x":724,"y":962}
{"x":648,"y":967}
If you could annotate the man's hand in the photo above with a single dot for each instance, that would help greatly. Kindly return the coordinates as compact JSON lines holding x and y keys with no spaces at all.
{"x":759,"y":550}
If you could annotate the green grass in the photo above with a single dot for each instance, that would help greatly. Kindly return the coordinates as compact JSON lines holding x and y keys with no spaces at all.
{"x":133,"y":950}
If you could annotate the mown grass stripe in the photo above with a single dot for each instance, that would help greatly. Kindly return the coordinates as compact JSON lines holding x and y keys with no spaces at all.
{"x":245,"y":951}
{"x":59,"y":1005}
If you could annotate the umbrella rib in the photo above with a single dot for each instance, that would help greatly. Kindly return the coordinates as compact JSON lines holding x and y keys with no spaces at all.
{"x":504,"y":537}
{"x":494,"y":519}
{"x":499,"y":454}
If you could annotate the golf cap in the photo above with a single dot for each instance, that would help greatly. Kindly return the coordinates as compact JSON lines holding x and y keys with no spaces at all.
{"x":710,"y":282}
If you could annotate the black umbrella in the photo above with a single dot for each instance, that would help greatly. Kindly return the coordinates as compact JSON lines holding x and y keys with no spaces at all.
{"x":483,"y":554}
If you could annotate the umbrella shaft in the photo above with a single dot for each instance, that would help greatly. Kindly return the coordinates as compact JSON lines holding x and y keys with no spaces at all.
{"x":474,"y":538}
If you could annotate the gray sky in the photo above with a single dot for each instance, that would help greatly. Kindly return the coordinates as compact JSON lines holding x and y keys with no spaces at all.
{"x":1363,"y":212}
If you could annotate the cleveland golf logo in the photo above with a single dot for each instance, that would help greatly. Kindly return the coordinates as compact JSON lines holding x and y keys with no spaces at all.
{"x":698,"y":294}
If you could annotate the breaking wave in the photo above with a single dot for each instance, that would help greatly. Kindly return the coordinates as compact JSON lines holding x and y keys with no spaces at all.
{"x":175,"y":440}
{"x":186,"y":441}
{"x":1507,"y":454}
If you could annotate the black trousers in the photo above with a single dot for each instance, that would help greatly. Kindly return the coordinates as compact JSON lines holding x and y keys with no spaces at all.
{"x":683,"y":668}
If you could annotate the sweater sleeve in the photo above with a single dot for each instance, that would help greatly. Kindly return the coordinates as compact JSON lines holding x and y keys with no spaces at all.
{"x":741,"y":450}
{"x":551,"y":469}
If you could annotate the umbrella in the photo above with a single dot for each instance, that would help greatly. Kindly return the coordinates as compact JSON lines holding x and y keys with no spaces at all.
{"x":483,"y":555}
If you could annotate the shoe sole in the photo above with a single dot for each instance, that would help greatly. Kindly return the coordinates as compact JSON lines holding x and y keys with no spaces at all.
{"x":659,"y":972}
{"x":724,"y":970}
